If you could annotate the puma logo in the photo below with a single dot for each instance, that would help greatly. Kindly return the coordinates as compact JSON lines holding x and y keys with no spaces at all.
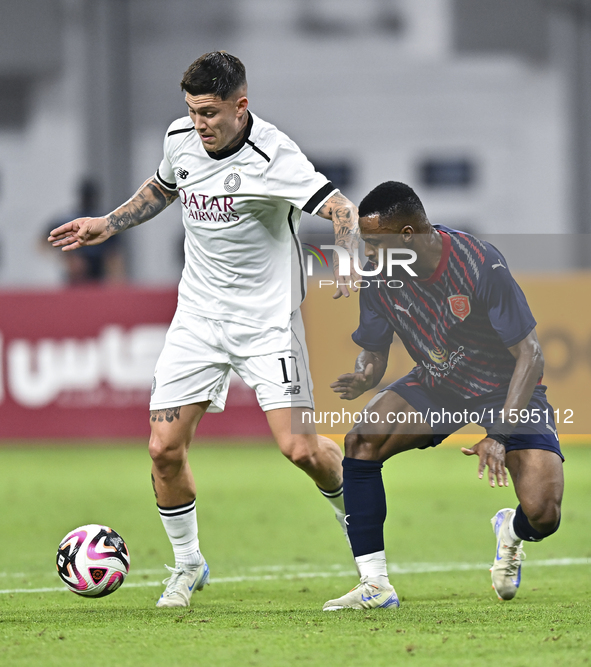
{"x":500,"y":264}
{"x":553,"y":430}
{"x":404,"y":310}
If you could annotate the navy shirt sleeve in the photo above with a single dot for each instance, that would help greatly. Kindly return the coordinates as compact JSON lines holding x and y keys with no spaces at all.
{"x":374,"y":332}
{"x":505,"y":302}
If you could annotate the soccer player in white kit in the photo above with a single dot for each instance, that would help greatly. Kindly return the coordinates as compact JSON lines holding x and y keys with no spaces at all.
{"x":242,"y":185}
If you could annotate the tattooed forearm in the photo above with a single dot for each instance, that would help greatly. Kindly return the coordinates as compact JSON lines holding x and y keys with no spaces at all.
{"x":343,"y":214}
{"x":345,"y":224}
{"x":336,"y":201}
{"x":168,"y":414}
{"x":146,"y":203}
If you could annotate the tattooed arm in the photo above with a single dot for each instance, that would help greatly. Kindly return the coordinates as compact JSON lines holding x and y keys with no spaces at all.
{"x":343,"y":214}
{"x":146,"y":203}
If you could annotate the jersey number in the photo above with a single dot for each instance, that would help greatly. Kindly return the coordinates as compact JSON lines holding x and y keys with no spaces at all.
{"x":286,"y":379}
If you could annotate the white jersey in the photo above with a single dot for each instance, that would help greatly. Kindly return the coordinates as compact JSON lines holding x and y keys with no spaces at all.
{"x":241,"y":212}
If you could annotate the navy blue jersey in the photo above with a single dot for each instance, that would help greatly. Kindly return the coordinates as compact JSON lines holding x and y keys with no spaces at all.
{"x":456,"y":325}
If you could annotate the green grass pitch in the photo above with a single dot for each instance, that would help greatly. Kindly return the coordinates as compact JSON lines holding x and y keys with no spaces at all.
{"x":276,"y":554}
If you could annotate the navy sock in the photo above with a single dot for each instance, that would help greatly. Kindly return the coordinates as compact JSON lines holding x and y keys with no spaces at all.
{"x":524,"y":530}
{"x":365,"y":505}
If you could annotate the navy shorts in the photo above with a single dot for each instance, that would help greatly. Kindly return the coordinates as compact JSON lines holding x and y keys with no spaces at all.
{"x":446,"y":416}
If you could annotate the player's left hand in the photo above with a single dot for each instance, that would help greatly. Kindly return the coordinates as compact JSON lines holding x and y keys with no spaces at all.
{"x":352,"y":385}
{"x":492,"y":454}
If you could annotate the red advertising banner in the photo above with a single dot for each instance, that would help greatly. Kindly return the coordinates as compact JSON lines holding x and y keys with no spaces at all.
{"x":79,"y":363}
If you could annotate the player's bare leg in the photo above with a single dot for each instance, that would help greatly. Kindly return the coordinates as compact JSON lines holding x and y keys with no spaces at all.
{"x":366,"y":448}
{"x":172,"y":432}
{"x":174,"y":487}
{"x":539,"y":482}
{"x":318,"y":456}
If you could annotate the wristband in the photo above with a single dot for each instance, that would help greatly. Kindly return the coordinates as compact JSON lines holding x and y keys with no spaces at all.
{"x":500,"y":431}
{"x":499,"y":437}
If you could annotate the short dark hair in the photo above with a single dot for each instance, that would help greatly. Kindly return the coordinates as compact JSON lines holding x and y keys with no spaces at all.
{"x":216,"y":73}
{"x":391,"y":199}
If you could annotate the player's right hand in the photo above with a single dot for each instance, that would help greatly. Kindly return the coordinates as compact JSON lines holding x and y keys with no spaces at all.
{"x":492,"y":454}
{"x":79,"y":232}
{"x":352,"y":385}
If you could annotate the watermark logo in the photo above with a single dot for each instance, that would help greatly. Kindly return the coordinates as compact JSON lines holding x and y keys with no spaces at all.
{"x":394,"y":257}
{"x":314,"y":252}
{"x":401,"y":257}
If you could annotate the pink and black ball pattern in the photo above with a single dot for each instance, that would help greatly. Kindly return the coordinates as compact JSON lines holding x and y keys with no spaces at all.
{"x":93,"y":561}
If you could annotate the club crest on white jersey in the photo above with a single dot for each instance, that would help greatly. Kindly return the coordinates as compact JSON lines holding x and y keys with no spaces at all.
{"x":232,"y":183}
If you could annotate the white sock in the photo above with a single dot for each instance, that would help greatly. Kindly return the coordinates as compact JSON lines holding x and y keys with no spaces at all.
{"x":335,"y":498}
{"x":180,"y":524}
{"x":509,"y":534}
{"x":373,"y":567}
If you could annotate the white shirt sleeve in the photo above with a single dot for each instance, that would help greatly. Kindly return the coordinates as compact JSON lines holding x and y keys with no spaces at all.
{"x":164,"y":174}
{"x":292,"y":177}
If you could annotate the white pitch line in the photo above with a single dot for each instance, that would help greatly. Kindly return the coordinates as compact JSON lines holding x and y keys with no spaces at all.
{"x":63,"y":589}
{"x":410,"y":568}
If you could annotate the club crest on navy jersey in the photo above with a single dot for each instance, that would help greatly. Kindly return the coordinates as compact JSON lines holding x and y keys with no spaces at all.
{"x":460,"y":306}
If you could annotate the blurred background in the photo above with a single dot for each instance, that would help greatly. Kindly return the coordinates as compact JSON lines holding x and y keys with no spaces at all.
{"x":483,"y":106}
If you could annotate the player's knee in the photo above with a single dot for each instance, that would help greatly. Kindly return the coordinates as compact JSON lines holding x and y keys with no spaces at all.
{"x":545,"y":517}
{"x":299,"y":452}
{"x":166,"y":453}
{"x":549,"y":519}
{"x":357,"y":446}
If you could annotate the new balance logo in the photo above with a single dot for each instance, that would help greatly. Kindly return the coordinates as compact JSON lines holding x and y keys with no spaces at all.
{"x":182,"y":173}
{"x":292,"y":390}
{"x":499,"y":265}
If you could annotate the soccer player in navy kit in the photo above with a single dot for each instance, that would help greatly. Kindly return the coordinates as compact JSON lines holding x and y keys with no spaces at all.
{"x":467,"y":325}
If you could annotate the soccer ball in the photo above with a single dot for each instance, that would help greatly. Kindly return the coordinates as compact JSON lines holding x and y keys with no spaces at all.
{"x":93,"y":561}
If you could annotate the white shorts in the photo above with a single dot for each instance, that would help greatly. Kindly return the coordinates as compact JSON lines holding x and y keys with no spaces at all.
{"x":199,"y":353}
